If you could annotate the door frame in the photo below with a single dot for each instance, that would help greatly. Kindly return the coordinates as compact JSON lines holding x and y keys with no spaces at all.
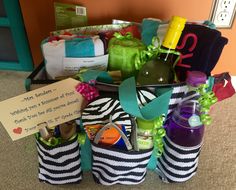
{"x":14,"y":21}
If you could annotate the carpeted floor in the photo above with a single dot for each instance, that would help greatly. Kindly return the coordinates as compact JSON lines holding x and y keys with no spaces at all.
{"x":216,"y":171}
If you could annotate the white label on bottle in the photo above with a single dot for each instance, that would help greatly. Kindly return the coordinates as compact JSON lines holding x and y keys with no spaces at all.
{"x":194,"y":121}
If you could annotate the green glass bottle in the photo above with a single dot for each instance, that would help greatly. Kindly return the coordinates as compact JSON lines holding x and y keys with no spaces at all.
{"x":160,"y":69}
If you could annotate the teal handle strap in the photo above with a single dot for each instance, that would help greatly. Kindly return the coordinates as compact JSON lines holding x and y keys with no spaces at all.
{"x":102,"y":76}
{"x":211,"y":81}
{"x":128,"y":101}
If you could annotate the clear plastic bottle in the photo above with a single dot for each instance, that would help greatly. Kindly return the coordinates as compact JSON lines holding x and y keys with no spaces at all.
{"x":184,"y":126}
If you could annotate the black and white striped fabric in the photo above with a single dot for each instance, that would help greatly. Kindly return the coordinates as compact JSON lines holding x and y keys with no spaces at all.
{"x":177,"y":96}
{"x":99,"y":111}
{"x":113,"y":166}
{"x":60,"y":164}
{"x":177,"y":163}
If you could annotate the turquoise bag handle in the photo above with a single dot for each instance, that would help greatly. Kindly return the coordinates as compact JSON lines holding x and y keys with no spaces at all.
{"x":210,"y":81}
{"x":96,"y":75}
{"x":129,"y":103}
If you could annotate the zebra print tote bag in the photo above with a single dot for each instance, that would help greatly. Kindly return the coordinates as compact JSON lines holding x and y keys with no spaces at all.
{"x":113,"y":166}
{"x":177,"y":163}
{"x":99,"y":110}
{"x":60,"y":164}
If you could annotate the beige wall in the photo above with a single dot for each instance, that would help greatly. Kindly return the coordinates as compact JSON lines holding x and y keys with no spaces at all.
{"x":39,"y":19}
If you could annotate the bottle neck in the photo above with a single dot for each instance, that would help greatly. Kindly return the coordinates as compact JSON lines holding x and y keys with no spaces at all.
{"x":171,"y":38}
{"x":166,"y":57}
{"x":169,"y":44}
{"x":185,"y":110}
{"x":191,"y":94}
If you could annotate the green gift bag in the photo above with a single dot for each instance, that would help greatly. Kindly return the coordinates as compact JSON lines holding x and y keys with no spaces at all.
{"x":122,"y":53}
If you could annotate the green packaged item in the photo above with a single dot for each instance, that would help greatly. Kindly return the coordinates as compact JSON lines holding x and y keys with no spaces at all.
{"x":69,"y":15}
{"x":123,"y":51}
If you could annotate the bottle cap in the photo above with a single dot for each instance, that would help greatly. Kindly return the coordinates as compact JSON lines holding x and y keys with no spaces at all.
{"x":195,"y":78}
{"x":145,"y":125}
{"x":67,"y":130}
{"x":174,"y":31}
{"x":177,"y":23}
{"x":43,"y":130}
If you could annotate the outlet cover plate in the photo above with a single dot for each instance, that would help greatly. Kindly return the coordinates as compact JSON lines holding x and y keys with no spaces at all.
{"x":223,"y":13}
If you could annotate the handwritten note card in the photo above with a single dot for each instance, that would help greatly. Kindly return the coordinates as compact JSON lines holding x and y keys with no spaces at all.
{"x":55,"y":104}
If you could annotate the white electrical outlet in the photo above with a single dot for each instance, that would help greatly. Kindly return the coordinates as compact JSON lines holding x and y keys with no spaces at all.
{"x":223,"y":13}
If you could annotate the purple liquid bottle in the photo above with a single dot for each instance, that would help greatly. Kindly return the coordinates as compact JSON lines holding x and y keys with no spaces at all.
{"x":184,"y":127}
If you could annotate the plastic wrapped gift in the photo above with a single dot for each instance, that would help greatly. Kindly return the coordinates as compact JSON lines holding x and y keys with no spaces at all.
{"x":123,"y":51}
{"x":64,"y":55}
